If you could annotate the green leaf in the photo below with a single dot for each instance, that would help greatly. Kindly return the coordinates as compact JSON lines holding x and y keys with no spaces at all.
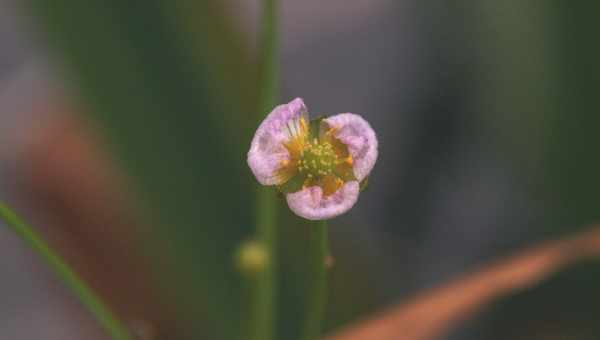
{"x":87,"y":297}
{"x":173,"y":89}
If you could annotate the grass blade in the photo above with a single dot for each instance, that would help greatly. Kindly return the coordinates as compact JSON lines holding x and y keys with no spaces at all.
{"x":80,"y":289}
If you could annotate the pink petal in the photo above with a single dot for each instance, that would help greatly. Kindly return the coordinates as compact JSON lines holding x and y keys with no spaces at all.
{"x":267,"y":150}
{"x":360,"y":138}
{"x":310,"y":203}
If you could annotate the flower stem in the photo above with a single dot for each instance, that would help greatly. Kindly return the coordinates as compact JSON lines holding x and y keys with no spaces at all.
{"x":262,"y":310}
{"x":263,"y":303}
{"x":317,"y":281}
{"x":269,"y":63}
{"x":85,"y":295}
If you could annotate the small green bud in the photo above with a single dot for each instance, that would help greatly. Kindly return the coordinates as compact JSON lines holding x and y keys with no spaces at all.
{"x":251,"y":257}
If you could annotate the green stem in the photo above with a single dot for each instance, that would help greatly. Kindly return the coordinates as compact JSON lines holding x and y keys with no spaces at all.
{"x":269,"y":63}
{"x":85,"y":295}
{"x":317,"y":281}
{"x":263,"y":309}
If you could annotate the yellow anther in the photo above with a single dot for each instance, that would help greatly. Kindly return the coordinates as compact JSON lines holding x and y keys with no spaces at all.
{"x":315,"y":160}
{"x":303,"y":123}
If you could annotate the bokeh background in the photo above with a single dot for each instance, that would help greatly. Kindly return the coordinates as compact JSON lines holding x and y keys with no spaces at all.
{"x":124,"y":129}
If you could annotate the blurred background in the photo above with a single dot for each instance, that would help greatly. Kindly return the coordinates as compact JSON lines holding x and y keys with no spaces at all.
{"x":124,"y":129}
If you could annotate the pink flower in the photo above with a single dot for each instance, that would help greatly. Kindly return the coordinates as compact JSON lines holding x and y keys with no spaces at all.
{"x":318,"y":164}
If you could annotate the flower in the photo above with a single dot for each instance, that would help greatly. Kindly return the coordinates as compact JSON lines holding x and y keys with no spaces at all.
{"x":319,"y":164}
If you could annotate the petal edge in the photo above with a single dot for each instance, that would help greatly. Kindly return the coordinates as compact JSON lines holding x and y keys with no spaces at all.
{"x":309,"y":203}
{"x":356,"y":133}
{"x":266,"y":149}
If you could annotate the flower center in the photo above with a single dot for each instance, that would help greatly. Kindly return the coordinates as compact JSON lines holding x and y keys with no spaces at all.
{"x":317,"y":159}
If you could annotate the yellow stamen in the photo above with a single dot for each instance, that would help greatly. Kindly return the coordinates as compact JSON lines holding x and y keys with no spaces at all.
{"x":323,"y":161}
{"x":303,"y":124}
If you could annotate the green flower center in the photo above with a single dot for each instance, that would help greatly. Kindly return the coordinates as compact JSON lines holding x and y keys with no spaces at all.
{"x":317,"y":159}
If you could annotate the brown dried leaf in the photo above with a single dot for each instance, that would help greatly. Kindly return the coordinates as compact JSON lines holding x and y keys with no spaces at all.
{"x":436,"y":311}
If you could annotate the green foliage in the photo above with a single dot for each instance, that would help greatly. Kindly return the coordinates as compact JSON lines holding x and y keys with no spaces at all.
{"x":65,"y":273}
{"x":541,"y":97}
{"x":171,"y":84}
{"x":262,"y":313}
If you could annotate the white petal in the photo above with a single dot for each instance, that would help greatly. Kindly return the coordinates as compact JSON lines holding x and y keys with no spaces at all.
{"x":309,"y":203}
{"x":267,"y":150}
{"x":352,"y":130}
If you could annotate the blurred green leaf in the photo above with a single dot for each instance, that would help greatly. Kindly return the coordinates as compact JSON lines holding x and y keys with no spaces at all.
{"x":539,"y":91}
{"x":80,"y":289}
{"x":171,"y":83}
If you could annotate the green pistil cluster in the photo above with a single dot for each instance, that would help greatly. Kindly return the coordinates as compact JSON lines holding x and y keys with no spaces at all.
{"x":317,"y":159}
